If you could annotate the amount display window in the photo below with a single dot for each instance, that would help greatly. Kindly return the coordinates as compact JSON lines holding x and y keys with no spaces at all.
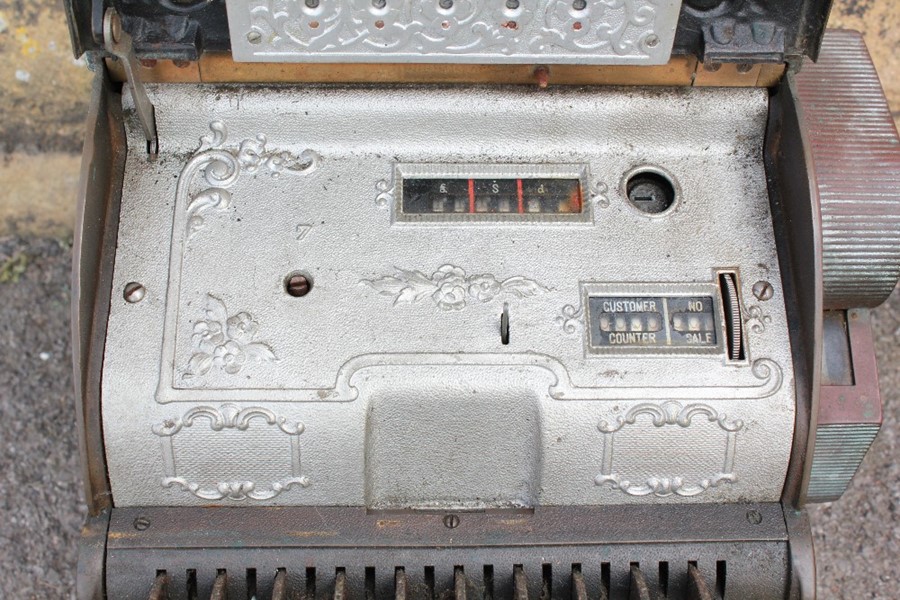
{"x":485,"y":193}
{"x":471,"y":196}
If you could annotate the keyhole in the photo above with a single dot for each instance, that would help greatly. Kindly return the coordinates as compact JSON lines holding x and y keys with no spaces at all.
{"x":650,"y":192}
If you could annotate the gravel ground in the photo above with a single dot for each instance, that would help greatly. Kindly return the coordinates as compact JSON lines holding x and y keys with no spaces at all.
{"x":857,"y":539}
{"x":40,"y":487}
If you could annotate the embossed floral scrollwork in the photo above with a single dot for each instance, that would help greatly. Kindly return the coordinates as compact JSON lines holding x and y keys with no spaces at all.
{"x":605,"y":24}
{"x":225,"y":341}
{"x":450,"y":288}
{"x":661,"y":415}
{"x":571,"y":318}
{"x":385,"y":196}
{"x":230,"y":416}
{"x":756,"y":319}
{"x":463,"y":27}
{"x":219,"y":168}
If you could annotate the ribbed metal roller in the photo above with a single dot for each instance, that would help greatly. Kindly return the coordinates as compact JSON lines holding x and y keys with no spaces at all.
{"x":856,"y":157}
{"x":733,"y":322}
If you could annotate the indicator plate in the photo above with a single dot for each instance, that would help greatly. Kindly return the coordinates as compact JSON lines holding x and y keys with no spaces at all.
{"x":486,"y":193}
{"x":653,"y":318}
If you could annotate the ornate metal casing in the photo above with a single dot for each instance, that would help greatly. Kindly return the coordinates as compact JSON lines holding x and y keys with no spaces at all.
{"x":411,"y":329}
{"x":388,"y":385}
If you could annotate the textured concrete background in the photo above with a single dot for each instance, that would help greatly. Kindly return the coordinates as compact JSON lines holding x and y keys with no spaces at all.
{"x":43,"y":99}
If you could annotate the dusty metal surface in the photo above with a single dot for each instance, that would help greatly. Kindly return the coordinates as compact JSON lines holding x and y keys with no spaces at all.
{"x":526,"y":31}
{"x":403,"y":371}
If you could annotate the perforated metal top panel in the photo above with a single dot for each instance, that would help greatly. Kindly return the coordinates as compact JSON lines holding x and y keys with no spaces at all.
{"x":454,"y":31}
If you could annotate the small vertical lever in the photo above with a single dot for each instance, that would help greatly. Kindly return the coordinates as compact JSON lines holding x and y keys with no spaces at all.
{"x":504,"y":325}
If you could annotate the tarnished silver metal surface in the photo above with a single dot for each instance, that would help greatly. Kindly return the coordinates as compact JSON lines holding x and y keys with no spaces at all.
{"x":457,"y":31}
{"x":856,"y":155}
{"x":388,"y":384}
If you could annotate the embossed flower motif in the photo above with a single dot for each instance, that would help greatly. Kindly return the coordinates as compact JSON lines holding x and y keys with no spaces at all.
{"x":241,"y":327}
{"x":208,"y":335}
{"x":230,"y":356}
{"x":226,"y":342}
{"x":448,"y":274}
{"x":484,"y":287}
{"x":450,"y":295}
{"x":250,"y":154}
{"x":450,"y":288}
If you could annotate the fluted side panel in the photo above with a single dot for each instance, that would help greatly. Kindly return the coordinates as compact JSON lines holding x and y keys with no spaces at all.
{"x":839,"y":451}
{"x":856,"y":153}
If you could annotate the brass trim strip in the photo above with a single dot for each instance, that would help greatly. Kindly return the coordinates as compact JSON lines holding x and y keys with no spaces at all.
{"x":680,"y":71}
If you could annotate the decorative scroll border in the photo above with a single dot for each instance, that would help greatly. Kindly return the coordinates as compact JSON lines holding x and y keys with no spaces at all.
{"x":229,"y":416}
{"x":767,"y":374}
{"x":203,"y":186}
{"x":669,"y":413}
{"x":601,"y":32}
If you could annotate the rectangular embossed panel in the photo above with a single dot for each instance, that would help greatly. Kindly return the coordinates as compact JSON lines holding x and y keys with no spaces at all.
{"x":222,"y":388}
{"x":461,"y":31}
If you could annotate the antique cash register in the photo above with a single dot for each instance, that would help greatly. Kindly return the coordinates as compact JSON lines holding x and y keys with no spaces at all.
{"x":471,"y":299}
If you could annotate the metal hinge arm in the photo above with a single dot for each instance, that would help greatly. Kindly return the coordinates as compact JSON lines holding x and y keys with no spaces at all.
{"x":119,"y":43}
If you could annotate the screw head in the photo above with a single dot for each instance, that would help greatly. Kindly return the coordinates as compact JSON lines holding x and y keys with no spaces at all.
{"x":451,"y":521}
{"x":445,"y":4}
{"x":134,"y":292}
{"x":763,"y":290}
{"x":254,"y":37}
{"x":754,"y":517}
{"x":579,"y":4}
{"x":744,"y":68}
{"x":297,"y":285}
{"x":142,"y":523}
{"x":652,"y":41}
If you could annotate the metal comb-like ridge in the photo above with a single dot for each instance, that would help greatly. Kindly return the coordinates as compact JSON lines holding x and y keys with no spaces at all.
{"x":856,"y":159}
